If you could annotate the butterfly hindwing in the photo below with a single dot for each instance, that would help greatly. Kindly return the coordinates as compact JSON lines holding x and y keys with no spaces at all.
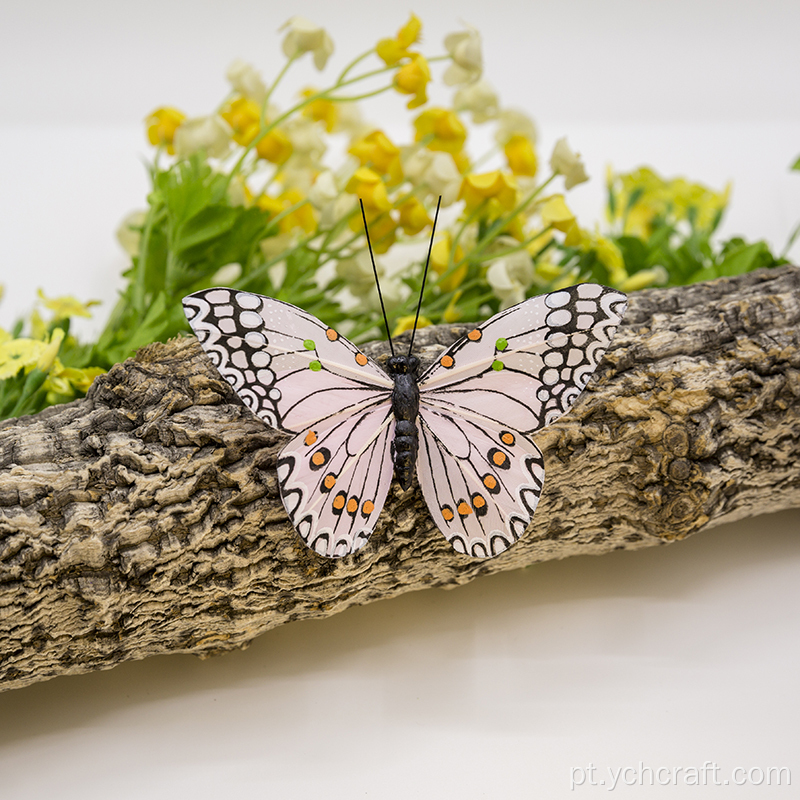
{"x":334,"y":478}
{"x":481,"y":481}
{"x":288,"y":367}
{"x":525,"y":367}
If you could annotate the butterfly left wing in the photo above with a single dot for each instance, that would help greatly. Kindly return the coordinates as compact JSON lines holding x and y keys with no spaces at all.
{"x":480,"y":473}
{"x":302,"y":377}
{"x":334,"y":479}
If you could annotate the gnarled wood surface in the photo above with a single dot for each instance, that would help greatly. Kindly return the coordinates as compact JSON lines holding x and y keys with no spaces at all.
{"x":146,"y":518}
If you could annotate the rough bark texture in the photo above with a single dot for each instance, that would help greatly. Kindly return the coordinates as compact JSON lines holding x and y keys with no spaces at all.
{"x":146,"y":519}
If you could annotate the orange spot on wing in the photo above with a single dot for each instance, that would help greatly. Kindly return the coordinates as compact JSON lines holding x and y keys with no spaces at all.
{"x":338,"y":501}
{"x":311,"y":437}
{"x":368,"y":507}
{"x":499,"y":458}
{"x":330,"y":481}
{"x":508,"y":438}
{"x":478,"y":501}
{"x":447,"y":362}
{"x":361,"y":360}
{"x":490,"y":482}
{"x":447,"y":514}
{"x":475,"y":335}
{"x":318,"y":458}
{"x":331,"y":334}
{"x":464,"y":509}
{"x":352,"y":505}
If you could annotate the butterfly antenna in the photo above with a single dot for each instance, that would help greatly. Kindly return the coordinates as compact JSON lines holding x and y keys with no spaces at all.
{"x":424,"y":275}
{"x":375,"y":272}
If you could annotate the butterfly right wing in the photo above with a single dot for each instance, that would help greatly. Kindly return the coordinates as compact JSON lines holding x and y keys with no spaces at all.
{"x":335,"y":477}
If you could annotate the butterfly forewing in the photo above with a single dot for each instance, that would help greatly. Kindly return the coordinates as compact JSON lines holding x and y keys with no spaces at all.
{"x":288,"y":367}
{"x":525,"y":366}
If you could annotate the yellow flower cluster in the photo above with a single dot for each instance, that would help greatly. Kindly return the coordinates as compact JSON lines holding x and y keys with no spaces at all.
{"x":502,"y":223}
{"x":22,"y":355}
{"x":641,"y":197}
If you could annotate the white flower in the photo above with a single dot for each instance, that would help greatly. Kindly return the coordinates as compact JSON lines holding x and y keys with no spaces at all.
{"x":350,"y":120}
{"x":465,"y":49}
{"x":128,"y":233}
{"x":512,"y":122}
{"x":337,"y":210}
{"x":357,"y":273}
{"x":567,"y":163}
{"x":479,"y":98}
{"x":226,"y":275}
{"x":211,"y":135}
{"x":510,"y":277}
{"x":306,"y":137}
{"x":323,"y":190}
{"x":435,"y":170}
{"x":245,"y":80}
{"x":306,"y":37}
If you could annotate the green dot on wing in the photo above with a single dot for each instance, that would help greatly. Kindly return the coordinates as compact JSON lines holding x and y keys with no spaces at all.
{"x":501,"y":343}
{"x":309,"y":344}
{"x":497,"y":365}
{"x":314,"y":366}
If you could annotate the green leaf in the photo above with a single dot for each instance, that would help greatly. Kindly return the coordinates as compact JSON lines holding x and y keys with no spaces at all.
{"x":745,"y":259}
{"x":796,"y":164}
{"x":209,"y":223}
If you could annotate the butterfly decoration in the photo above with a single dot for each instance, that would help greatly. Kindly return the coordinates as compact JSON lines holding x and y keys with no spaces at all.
{"x":465,"y":423}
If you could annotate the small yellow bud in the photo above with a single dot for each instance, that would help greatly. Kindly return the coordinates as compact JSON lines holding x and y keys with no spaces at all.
{"x":444,"y":129}
{"x":161,"y":127}
{"x":413,"y":216}
{"x":521,"y":156}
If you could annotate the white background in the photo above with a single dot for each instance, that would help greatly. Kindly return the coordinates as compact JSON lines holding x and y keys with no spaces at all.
{"x":669,"y":657}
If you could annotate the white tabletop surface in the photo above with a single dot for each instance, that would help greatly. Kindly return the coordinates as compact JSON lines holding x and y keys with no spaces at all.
{"x":530,"y":684}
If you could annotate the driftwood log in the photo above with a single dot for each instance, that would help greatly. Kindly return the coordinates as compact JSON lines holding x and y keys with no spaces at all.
{"x":146,"y":519}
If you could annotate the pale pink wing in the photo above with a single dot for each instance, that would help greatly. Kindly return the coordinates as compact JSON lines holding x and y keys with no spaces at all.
{"x":524,"y":367}
{"x":481,"y":481}
{"x":480,"y":473}
{"x":334,"y":478}
{"x":288,"y":367}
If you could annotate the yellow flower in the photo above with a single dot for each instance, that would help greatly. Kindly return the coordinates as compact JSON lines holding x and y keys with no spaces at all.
{"x":67,"y":306}
{"x":382,"y":230}
{"x":393,"y":50}
{"x":440,"y":261}
{"x":442,"y":128}
{"x":367,"y":185}
{"x":306,"y":37}
{"x":498,"y":188}
{"x":211,"y":135}
{"x":465,"y":50}
{"x":18,"y":353}
{"x":413,"y":78}
{"x":50,"y":351}
{"x":479,"y":98}
{"x":245,"y":80}
{"x":407,"y":324}
{"x":377,"y":151}
{"x":161,"y":127}
{"x":244,"y":117}
{"x":521,"y":155}
{"x":656,"y":276}
{"x":555,"y":212}
{"x":413,"y":216}
{"x":321,"y":110}
{"x":302,"y":217}
{"x":275,"y":147}
{"x":568,"y":163}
